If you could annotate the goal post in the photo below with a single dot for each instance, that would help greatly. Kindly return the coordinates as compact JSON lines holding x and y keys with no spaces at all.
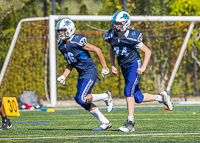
{"x":53,"y":18}
{"x":14,"y":39}
{"x":52,"y":41}
{"x":180,"y":57}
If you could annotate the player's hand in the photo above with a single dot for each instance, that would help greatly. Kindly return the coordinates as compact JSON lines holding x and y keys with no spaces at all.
{"x":104,"y":72}
{"x":141,"y":70}
{"x":114,"y":70}
{"x":61,"y":79}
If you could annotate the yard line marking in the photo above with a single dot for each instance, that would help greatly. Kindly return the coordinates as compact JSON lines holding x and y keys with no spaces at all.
{"x":96,"y":136}
{"x":137,"y":108}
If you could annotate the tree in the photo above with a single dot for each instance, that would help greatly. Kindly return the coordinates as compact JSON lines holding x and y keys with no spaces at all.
{"x":27,"y":8}
{"x":83,"y":11}
{"x":7,"y":7}
{"x":110,"y":7}
{"x":185,"y":7}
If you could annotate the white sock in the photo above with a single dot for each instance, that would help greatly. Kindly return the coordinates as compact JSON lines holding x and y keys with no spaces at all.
{"x":96,"y":113}
{"x":159,"y":98}
{"x":97,"y":97}
{"x":131,"y":118}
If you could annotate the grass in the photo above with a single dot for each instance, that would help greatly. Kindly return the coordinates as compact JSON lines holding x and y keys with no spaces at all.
{"x":153,"y":124}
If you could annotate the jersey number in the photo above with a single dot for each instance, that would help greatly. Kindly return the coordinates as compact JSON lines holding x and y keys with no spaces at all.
{"x":70,"y":57}
{"x":122,"y":52}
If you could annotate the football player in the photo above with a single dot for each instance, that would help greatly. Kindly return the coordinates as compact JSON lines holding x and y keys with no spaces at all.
{"x":75,"y":50}
{"x":6,"y":124}
{"x":124,"y":43}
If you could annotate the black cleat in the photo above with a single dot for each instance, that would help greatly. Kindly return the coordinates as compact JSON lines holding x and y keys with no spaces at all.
{"x":6,"y":124}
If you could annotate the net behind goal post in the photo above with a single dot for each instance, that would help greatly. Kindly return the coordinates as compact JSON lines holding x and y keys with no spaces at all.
{"x":33,"y":61}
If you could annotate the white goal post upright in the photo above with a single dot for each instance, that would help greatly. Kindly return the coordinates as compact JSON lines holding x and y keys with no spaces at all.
{"x":52,"y":57}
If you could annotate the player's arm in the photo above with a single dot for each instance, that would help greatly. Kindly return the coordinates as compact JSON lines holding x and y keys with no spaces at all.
{"x":112,"y":60}
{"x":67,"y":70}
{"x":65,"y":74}
{"x":90,"y":47}
{"x":147,"y":56}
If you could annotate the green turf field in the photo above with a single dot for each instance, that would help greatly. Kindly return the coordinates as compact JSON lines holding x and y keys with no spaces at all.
{"x":153,"y":124}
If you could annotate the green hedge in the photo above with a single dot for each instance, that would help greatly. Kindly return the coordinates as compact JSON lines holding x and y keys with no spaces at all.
{"x":26,"y":69}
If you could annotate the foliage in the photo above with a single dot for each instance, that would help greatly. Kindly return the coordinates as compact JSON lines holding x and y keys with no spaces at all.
{"x":185,"y":7}
{"x":150,"y":7}
{"x":83,"y":11}
{"x":7,"y":7}
{"x":46,"y":7}
{"x":110,"y":7}
{"x":165,"y":45}
{"x":9,"y":23}
{"x":188,"y":8}
{"x":26,"y":66}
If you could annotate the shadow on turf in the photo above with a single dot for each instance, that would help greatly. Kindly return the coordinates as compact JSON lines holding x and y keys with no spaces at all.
{"x":63,"y":129}
{"x":71,"y":129}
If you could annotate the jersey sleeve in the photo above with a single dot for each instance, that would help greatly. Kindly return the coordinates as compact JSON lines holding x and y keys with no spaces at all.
{"x":136,"y":38}
{"x":79,"y":39}
{"x":59,"y":43}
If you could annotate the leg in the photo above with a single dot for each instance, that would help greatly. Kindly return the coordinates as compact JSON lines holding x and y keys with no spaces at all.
{"x":163,"y":97}
{"x":2,"y":111}
{"x":130,"y":105}
{"x":84,"y":88}
{"x":106,"y":97}
{"x":138,"y":97}
{"x":6,"y":124}
{"x":131,"y":90}
{"x":148,"y":97}
{"x":105,"y":123}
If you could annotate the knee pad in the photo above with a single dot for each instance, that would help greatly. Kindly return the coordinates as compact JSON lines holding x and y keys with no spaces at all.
{"x":138,"y":97}
{"x":0,"y":103}
{"x":87,"y":106}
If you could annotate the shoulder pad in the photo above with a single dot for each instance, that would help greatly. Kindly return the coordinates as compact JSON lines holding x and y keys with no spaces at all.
{"x":79,"y":39}
{"x":108,"y":35}
{"x":134,"y":35}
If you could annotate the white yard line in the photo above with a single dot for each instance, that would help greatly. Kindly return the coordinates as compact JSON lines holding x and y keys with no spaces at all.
{"x":97,"y":136}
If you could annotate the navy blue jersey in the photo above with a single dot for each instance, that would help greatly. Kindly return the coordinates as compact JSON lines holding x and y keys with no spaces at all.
{"x":79,"y":58}
{"x":126,"y":46}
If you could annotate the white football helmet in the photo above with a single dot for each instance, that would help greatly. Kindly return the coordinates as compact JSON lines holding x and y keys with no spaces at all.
{"x":121,"y":17}
{"x":68,"y":25}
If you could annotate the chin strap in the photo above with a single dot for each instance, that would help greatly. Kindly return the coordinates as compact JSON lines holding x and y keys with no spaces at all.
{"x":116,"y":30}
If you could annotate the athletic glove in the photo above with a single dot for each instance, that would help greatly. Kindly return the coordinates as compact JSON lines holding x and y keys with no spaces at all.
{"x":61,"y":79}
{"x":104,"y":72}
